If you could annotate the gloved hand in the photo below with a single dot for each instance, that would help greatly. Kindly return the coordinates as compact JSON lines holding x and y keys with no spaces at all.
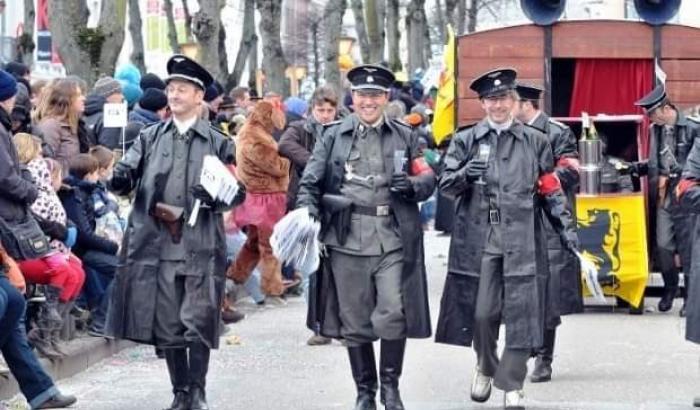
{"x":198,"y":192}
{"x":475,"y":168}
{"x":627,"y":168}
{"x":570,"y":242}
{"x":400,"y":183}
{"x":240,"y":195}
{"x":71,"y":236}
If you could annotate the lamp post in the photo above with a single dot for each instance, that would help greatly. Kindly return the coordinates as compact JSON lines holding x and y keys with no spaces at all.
{"x":295,"y":74}
{"x":345,"y":60}
{"x":190,"y":50}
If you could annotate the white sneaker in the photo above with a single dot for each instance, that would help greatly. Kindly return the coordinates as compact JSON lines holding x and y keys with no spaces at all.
{"x":514,"y":400}
{"x":481,"y":386}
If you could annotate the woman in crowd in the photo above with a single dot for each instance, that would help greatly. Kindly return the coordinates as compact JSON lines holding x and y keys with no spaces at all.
{"x":57,"y":119}
{"x":266,"y":177}
{"x":59,"y":270}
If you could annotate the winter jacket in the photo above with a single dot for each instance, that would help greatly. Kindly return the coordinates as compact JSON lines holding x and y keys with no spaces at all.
{"x":80,"y":208}
{"x":17,"y":191}
{"x":143,"y":116}
{"x":64,"y":144}
{"x":297,"y":143}
{"x":94,"y":119}
{"x":47,"y":207}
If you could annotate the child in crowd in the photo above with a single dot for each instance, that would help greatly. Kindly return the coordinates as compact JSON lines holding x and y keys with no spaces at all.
{"x":60,"y":271}
{"x":109,"y":224}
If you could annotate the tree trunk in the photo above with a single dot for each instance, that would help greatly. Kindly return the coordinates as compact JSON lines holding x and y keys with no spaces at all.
{"x":135,"y":24}
{"x":461,"y":15}
{"x":416,"y":33}
{"x":205,"y":28}
{"x":314,"y":48}
{"x":374,"y":29}
{"x":393,"y":35}
{"x":472,"y":16}
{"x":273,"y":57}
{"x":248,"y":40}
{"x":361,"y":29}
{"x":223,"y":55}
{"x":450,"y":15}
{"x":441,"y":22}
{"x":381,"y":18}
{"x":334,"y":23}
{"x":253,"y":67}
{"x":427,"y":44}
{"x":76,"y":44}
{"x":188,"y":22}
{"x":172,"y":30}
{"x":26,"y":46}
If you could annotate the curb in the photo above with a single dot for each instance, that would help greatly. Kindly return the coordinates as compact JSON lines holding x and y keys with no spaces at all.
{"x":82,"y":352}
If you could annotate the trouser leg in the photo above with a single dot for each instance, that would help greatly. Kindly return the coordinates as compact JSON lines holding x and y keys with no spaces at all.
{"x":247,"y":258}
{"x":487,"y":315}
{"x":512,"y":369}
{"x":390,"y":369}
{"x":270,"y":267}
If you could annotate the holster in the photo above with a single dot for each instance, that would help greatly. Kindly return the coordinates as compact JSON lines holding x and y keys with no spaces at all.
{"x":172,"y":217}
{"x":337,"y":211}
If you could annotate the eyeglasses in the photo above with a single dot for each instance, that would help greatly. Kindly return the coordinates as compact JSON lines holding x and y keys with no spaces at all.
{"x":369,"y":93}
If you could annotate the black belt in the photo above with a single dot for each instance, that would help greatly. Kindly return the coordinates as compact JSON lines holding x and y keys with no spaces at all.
{"x":494,"y":216}
{"x":379,"y":210}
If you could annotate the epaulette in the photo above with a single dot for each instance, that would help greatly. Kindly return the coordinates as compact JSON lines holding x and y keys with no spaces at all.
{"x":694,"y":119}
{"x":332,"y":123}
{"x":560,"y":124}
{"x":402,"y":123}
{"x":466,"y":127}
{"x":538,"y":129}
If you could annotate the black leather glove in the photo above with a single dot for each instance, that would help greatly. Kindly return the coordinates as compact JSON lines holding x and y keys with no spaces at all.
{"x":400,"y":183}
{"x":570,"y":242}
{"x":475,"y":168}
{"x":240,"y":195}
{"x":198,"y":192}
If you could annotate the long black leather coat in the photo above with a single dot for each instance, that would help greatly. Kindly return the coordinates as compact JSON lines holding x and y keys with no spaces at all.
{"x":524,"y":158}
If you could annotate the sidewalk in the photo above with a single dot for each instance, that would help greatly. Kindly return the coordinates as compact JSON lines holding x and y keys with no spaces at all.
{"x":83,"y":352}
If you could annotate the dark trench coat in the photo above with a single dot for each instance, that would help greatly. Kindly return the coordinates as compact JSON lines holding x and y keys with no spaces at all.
{"x":527,"y":156}
{"x":564,"y":293}
{"x":324,"y":174}
{"x":144,"y":169}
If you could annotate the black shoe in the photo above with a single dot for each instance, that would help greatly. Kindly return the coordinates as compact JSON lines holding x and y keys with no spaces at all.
{"x":41,"y":341}
{"x":666,"y":302}
{"x":198,"y":399}
{"x":58,"y":401}
{"x":696,"y":402}
{"x":181,"y":401}
{"x":364,"y":373}
{"x":390,"y":368}
{"x":230,"y":316}
{"x":542,"y":372}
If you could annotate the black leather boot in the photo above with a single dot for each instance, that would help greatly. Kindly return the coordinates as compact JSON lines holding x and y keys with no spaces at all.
{"x":545,"y":355}
{"x":669,"y":272}
{"x":364,"y":372}
{"x":390,"y":367}
{"x":178,"y":370}
{"x":686,"y":283}
{"x":199,"y":366}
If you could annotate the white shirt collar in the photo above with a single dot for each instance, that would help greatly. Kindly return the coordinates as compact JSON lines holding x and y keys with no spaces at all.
{"x":184,"y":126}
{"x":500,"y":127}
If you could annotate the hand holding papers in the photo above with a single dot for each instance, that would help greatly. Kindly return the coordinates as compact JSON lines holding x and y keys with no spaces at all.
{"x":590,"y":277}
{"x":217,"y":181}
{"x":295,"y":241}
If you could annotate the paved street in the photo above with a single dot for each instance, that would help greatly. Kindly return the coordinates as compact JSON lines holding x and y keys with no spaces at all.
{"x":605,"y":360}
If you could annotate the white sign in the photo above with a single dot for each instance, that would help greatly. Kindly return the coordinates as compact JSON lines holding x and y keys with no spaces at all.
{"x":115,"y":115}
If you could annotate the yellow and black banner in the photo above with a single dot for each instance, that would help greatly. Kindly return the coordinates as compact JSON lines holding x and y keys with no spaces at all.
{"x":612,"y":230}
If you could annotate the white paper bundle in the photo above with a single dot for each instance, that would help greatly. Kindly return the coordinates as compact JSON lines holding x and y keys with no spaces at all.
{"x":295,"y":240}
{"x":590,"y":277}
{"x":218,"y":181}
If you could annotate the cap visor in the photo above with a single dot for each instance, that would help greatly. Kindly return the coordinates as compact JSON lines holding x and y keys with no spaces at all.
{"x":369,"y":87}
{"x":182,"y":77}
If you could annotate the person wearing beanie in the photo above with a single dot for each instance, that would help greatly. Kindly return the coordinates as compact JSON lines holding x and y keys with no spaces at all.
{"x":106,"y":90}
{"x":132,"y":93}
{"x":214,"y":96}
{"x":152,"y":107}
{"x":128,"y":73}
{"x":17,"y":195}
{"x":150,"y":80}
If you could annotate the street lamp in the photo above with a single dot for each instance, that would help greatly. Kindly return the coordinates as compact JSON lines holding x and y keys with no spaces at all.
{"x":295,"y":74}
{"x":190,"y":50}
{"x":345,"y":44}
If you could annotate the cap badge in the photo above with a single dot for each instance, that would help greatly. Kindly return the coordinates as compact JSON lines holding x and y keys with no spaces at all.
{"x":370,"y":79}
{"x":497,"y":82}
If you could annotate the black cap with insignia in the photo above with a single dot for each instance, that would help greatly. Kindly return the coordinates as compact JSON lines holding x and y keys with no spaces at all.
{"x":370,"y":77}
{"x":184,"y":68}
{"x":494,"y":83}
{"x":654,"y":99}
{"x":528,"y":92}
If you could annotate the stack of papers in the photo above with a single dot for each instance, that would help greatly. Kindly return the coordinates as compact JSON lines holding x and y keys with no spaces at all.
{"x":589,"y":273}
{"x":218,"y":181}
{"x":295,"y":240}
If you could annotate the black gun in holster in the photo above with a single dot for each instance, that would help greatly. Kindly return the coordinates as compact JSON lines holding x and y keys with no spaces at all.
{"x":337,"y":212}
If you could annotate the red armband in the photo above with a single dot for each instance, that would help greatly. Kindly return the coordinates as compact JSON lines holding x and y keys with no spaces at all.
{"x":568,"y":162}
{"x":420,"y":167}
{"x":684,"y":186}
{"x":548,"y":184}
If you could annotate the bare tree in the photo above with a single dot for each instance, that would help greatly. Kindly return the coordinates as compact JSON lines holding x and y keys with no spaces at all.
{"x":273,"y":56}
{"x":223,"y":54}
{"x":77,"y":44}
{"x":248,"y":41}
{"x":462,"y":14}
{"x":135,"y":24}
{"x":440,"y":22}
{"x":415,"y":16}
{"x":334,"y":22}
{"x":172,"y":29}
{"x":381,"y":18}
{"x":393,"y":35}
{"x":188,"y":21}
{"x":375,"y":28}
{"x":359,"y":14}
{"x":25,"y":43}
{"x":205,"y":28}
{"x":450,"y":15}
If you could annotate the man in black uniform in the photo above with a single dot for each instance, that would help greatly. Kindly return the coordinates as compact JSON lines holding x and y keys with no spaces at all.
{"x":564,"y":295}
{"x":503,"y":175}
{"x":169,"y":287}
{"x":364,"y":180}
{"x":671,"y":137}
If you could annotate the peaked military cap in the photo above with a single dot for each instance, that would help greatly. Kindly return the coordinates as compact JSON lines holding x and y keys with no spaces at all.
{"x":528,"y":92}
{"x":184,"y":68}
{"x":654,"y":99}
{"x":494,"y":83}
{"x":370,"y":77}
